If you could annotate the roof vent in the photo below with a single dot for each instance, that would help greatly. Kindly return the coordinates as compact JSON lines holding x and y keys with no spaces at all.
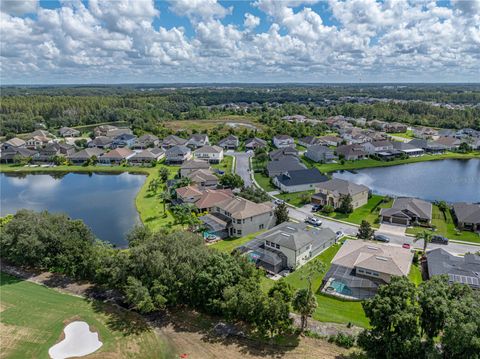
{"x":382,"y":259}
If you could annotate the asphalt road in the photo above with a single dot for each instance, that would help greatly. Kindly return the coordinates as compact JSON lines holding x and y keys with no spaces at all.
{"x":300,"y":214}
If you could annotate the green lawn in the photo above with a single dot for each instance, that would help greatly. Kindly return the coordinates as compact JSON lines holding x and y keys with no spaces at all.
{"x":407,"y":134}
{"x":226,"y":165}
{"x":367,"y":212}
{"x":295,"y":198}
{"x":229,"y":244}
{"x":33,"y":318}
{"x":446,"y":227}
{"x":415,"y":275}
{"x":367,"y":163}
{"x":264,"y":182}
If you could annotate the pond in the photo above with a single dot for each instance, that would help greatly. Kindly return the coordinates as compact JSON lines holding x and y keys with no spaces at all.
{"x":447,"y":180}
{"x":105,"y":202}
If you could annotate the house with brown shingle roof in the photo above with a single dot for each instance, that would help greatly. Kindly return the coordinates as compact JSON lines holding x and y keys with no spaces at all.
{"x":203,"y":178}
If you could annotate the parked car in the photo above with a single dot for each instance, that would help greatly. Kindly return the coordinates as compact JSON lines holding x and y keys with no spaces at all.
{"x":313,"y":221}
{"x":210,"y":237}
{"x":338,"y":235}
{"x":278,"y":201}
{"x":406,"y":245}
{"x":381,"y":238}
{"x":316,"y":208}
{"x":439,"y":239}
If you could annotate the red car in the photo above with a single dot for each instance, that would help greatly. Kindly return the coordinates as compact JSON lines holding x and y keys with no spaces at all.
{"x":406,"y":246}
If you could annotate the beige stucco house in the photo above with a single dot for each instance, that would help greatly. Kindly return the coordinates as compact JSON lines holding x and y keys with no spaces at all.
{"x":333,"y":191}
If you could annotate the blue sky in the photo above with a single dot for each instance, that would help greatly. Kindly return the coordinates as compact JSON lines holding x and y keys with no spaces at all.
{"x":132,"y":41}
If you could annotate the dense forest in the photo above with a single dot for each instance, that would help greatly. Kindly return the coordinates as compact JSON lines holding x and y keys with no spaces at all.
{"x":21,"y":109}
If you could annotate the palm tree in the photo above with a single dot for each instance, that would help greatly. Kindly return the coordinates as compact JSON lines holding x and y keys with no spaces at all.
{"x":165,"y":196}
{"x":442,"y":206}
{"x":426,"y":236}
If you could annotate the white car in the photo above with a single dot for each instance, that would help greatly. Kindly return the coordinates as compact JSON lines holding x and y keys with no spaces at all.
{"x":339,"y":235}
{"x":313,"y":221}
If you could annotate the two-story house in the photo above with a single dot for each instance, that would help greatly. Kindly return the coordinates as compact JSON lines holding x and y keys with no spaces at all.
{"x":332,"y":192}
{"x":177,"y":154}
{"x":210,"y":154}
{"x":230,"y":142}
{"x":280,"y":141}
{"x":124,"y":140}
{"x":198,"y":140}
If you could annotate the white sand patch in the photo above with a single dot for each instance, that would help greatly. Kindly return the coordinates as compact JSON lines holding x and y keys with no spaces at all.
{"x":79,"y":341}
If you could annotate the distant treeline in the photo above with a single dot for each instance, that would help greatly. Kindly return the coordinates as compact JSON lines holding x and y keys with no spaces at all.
{"x":22,"y":108}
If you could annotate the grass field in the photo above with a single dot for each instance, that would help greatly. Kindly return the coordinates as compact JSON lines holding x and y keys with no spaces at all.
{"x":264,"y":182}
{"x":446,"y":227}
{"x":415,"y":275}
{"x":296,"y":198}
{"x":204,"y":125}
{"x":229,"y":244}
{"x":407,"y":134}
{"x":368,"y":212}
{"x":33,"y":318}
{"x":368,"y":163}
{"x":226,"y":165}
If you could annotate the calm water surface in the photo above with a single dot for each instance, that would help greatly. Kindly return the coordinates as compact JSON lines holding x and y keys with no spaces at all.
{"x":105,"y":202}
{"x":448,"y":180}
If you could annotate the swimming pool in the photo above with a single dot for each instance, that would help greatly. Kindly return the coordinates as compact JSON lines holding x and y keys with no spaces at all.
{"x":340,"y":287}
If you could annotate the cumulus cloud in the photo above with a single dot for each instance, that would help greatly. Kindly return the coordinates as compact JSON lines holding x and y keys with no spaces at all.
{"x":126,"y":41}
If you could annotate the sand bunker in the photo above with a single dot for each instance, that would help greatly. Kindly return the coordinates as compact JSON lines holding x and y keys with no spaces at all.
{"x":79,"y":341}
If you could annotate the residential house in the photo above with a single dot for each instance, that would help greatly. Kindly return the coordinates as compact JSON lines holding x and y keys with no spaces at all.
{"x":172,"y":140}
{"x":360,"y":267}
{"x":116,"y":156}
{"x":146,"y":141}
{"x":308,"y":141}
{"x":102,"y":142}
{"x":189,"y":194}
{"x":280,"y":141}
{"x":351,"y":152}
{"x":407,"y":211}
{"x":51,"y":150}
{"x":287,"y":246}
{"x":68,"y":132}
{"x":203,"y":178}
{"x":13,"y":143}
{"x":463,"y":270}
{"x":321,"y":154}
{"x":84,"y":155}
{"x":102,"y":130}
{"x":408,"y":149}
{"x":178,"y":154}
{"x":210,"y":154}
{"x":36,"y":142}
{"x":124,"y":140}
{"x":281,"y":153}
{"x":193,"y":165}
{"x":237,"y":217}
{"x":147,"y":156}
{"x":332,"y":192}
{"x":299,"y":180}
{"x":14,"y":154}
{"x":230,"y":142}
{"x":198,"y":140}
{"x":467,"y":215}
{"x":450,"y":143}
{"x":428,"y":146}
{"x":118,"y":132}
{"x":210,"y":198}
{"x":287,"y":164}
{"x":395,"y":127}
{"x":329,"y":140}
{"x":424,"y":132}
{"x":42,"y":133}
{"x":255,"y":143}
{"x":377,"y":146}
{"x":295,"y":118}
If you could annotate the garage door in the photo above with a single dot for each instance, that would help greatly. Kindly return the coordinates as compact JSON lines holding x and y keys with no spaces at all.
{"x":403,"y":221}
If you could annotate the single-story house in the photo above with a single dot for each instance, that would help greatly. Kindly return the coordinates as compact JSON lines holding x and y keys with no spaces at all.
{"x":210,"y":154}
{"x":408,"y":149}
{"x":116,"y":156}
{"x":147,"y":156}
{"x":198,"y":140}
{"x":467,"y":215}
{"x":193,"y":165}
{"x":351,"y":152}
{"x":275,"y":168}
{"x":13,"y":143}
{"x":281,"y":153}
{"x":299,"y":180}
{"x":230,"y":142}
{"x":146,"y":141}
{"x":115,"y":132}
{"x":124,"y":140}
{"x":424,"y":132}
{"x":102,"y":130}
{"x":332,"y":192}
{"x":35,"y":142}
{"x":102,"y":142}
{"x":68,"y":132}
{"x":13,"y":154}
{"x":280,"y":141}
{"x":172,"y":140}
{"x":204,"y":178}
{"x":84,"y":155}
{"x":254,"y":143}
{"x":287,"y":246}
{"x":377,"y":146}
{"x":51,"y":150}
{"x":450,"y":143}
{"x":428,"y":146}
{"x":360,"y":267}
{"x":407,"y":211}
{"x":178,"y":154}
{"x":308,"y":141}
{"x":463,"y":270}
{"x":321,"y":154}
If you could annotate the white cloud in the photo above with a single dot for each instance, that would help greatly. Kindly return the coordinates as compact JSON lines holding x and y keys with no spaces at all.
{"x":18,"y":7}
{"x":251,"y":21}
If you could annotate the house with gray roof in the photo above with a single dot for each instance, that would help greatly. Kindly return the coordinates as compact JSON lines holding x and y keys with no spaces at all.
{"x":198,"y":140}
{"x":177,"y":154}
{"x":102,"y":142}
{"x":308,"y":141}
{"x":147,"y":156}
{"x":280,"y":153}
{"x":407,"y":211}
{"x":288,"y":245}
{"x":172,"y":140}
{"x":230,"y":142}
{"x":467,"y":215}
{"x":332,"y":192}
{"x":84,"y":155}
{"x":428,"y":146}
{"x":408,"y":148}
{"x":299,"y":180}
{"x":254,"y":143}
{"x":351,"y":152}
{"x":280,"y":141}
{"x":320,"y":154}
{"x":14,"y":142}
{"x":14,"y":154}
{"x":146,"y":141}
{"x":68,"y":132}
{"x":290,"y":163}
{"x":193,"y":165}
{"x":464,"y":270}
{"x":124,"y":140}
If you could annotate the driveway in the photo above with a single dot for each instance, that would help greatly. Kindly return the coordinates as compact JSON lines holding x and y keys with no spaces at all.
{"x":242,"y":167}
{"x":392,"y":229}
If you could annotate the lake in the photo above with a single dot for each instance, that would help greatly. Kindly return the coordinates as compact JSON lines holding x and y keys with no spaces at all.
{"x":105,"y":202}
{"x":448,"y":180}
